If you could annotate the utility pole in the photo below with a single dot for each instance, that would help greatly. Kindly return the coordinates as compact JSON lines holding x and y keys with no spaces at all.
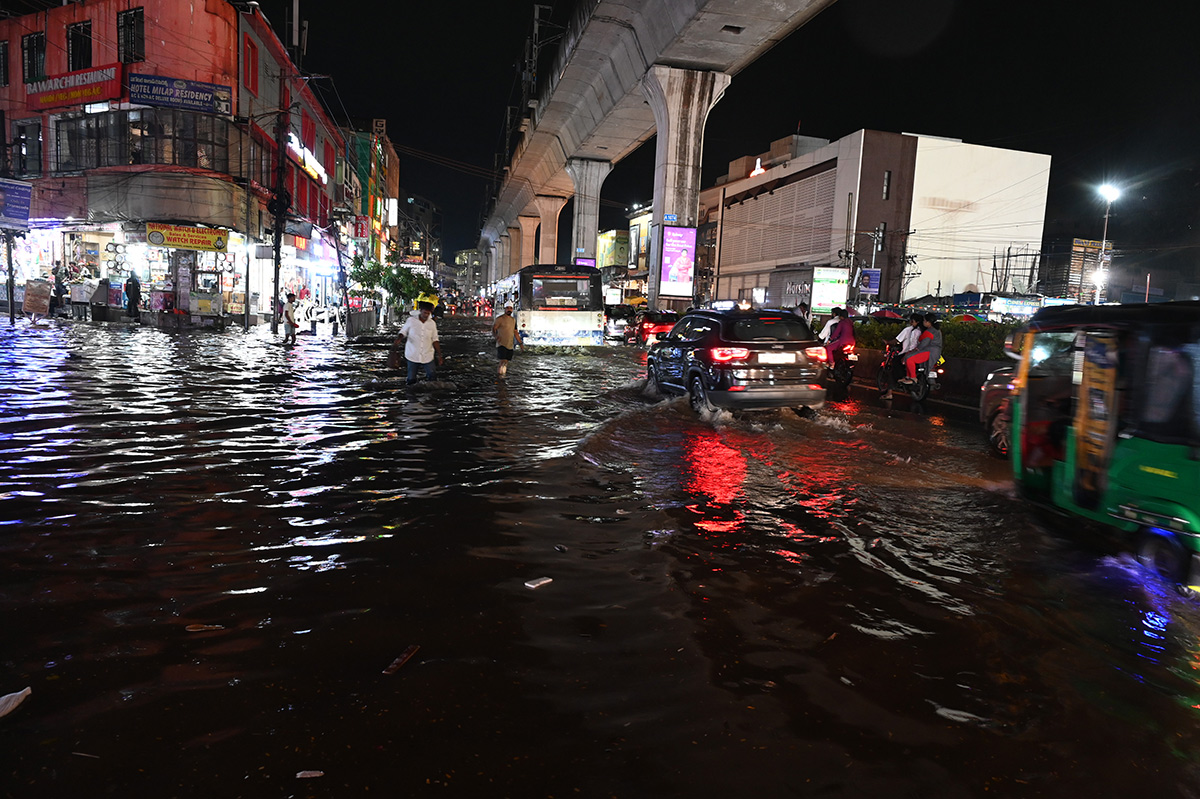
{"x":282,"y":201}
{"x":8,"y":234}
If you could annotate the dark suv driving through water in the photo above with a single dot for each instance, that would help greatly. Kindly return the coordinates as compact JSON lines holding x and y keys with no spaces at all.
{"x":744,"y":359}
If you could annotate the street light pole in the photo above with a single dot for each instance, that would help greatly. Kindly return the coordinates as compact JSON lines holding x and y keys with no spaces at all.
{"x":1109,"y":193}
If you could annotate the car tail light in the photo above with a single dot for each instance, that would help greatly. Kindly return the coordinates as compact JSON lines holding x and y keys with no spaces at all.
{"x":815,"y":353}
{"x":725,"y":354}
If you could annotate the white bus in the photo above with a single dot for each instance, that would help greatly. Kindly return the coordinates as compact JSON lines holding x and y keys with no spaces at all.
{"x":554,"y":304}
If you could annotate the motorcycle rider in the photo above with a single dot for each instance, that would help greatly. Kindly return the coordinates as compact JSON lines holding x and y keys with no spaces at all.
{"x":841,"y":334}
{"x":928,"y":350}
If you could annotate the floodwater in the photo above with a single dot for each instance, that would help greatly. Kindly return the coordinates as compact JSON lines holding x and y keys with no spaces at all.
{"x":215,"y":546}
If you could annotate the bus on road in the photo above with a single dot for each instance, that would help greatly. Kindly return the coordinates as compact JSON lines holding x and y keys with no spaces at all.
{"x":554,"y":304}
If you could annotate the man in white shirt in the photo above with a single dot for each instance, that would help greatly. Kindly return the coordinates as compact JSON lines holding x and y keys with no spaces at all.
{"x":909,"y":335}
{"x":420,"y":338}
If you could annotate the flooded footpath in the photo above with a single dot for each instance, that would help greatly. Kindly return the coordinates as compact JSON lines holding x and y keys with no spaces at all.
{"x":237,"y":569}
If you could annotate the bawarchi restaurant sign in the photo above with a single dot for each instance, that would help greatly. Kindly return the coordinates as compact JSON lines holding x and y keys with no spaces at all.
{"x":79,"y":87}
{"x":184,"y":237}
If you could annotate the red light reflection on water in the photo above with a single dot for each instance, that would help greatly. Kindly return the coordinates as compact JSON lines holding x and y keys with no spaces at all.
{"x":717,"y":470}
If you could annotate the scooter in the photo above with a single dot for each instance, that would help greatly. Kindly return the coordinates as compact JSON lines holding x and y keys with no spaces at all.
{"x":927,"y":379}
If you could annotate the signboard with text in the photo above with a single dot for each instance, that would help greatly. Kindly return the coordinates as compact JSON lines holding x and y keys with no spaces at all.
{"x":185,"y":237}
{"x":75,"y":88}
{"x":830,"y":288}
{"x":191,"y":95}
{"x":676,"y":271}
{"x":14,"y":204}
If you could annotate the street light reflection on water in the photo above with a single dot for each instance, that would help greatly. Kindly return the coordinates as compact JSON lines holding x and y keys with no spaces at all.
{"x":215,"y":544}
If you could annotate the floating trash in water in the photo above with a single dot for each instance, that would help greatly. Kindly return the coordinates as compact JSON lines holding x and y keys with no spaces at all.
{"x":308,"y":775}
{"x":538,"y":582}
{"x":400,"y":661}
{"x":9,"y":702}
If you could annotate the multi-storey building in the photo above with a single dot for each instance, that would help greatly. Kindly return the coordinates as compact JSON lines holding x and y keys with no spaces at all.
{"x":902,"y":215}
{"x":156,"y":135}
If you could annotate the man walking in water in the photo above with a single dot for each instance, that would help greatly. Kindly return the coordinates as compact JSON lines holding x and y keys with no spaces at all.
{"x":507,"y":340}
{"x":420,"y":337}
{"x":289,"y":320}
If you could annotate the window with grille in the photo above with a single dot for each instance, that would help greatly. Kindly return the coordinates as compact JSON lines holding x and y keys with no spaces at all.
{"x":33,"y":57}
{"x":79,"y":46}
{"x":3,"y":63}
{"x":131,"y":35}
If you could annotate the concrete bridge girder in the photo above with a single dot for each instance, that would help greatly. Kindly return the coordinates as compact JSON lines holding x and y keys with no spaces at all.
{"x":595,"y":108}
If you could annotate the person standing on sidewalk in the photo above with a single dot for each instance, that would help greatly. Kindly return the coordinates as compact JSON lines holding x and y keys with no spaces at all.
{"x":420,"y":337}
{"x":504,"y":329}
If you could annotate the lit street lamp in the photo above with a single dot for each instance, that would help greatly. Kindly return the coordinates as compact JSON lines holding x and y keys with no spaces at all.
{"x":1109,"y":193}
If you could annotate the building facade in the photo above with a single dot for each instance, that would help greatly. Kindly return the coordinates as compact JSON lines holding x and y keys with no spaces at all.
{"x":903,"y":215}
{"x":160,"y":139}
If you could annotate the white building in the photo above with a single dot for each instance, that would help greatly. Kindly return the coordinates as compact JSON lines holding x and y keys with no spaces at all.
{"x":933,"y":215}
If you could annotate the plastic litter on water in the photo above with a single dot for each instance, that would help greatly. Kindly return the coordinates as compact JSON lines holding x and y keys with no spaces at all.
{"x":9,"y":702}
{"x":308,"y":775}
{"x":538,"y":582}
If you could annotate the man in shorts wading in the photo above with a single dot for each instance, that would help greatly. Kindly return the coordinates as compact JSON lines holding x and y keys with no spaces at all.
{"x":507,"y":340}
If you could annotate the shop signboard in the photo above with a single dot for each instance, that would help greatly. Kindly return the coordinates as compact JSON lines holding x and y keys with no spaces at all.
{"x":190,"y":95}
{"x":80,"y":87}
{"x":362,"y":227}
{"x":37,"y":297}
{"x":830,"y":288}
{"x":678,"y":261}
{"x":184,"y":237}
{"x":14,"y":204}
{"x":581,"y":261}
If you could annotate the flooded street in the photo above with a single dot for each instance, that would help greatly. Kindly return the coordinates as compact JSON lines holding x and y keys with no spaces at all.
{"x":214,"y":546}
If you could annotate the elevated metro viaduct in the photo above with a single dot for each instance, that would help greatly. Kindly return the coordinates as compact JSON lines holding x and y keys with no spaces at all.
{"x":626,"y":71}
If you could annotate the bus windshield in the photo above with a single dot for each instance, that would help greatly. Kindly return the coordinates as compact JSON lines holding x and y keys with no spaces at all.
{"x":562,"y":292}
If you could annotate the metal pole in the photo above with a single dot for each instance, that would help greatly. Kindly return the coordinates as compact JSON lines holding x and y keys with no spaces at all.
{"x":280,"y":202}
{"x":1100,"y":257}
{"x":12,"y":310}
{"x":1147,"y":287}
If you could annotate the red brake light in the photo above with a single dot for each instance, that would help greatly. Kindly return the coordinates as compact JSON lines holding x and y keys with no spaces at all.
{"x":724,"y":354}
{"x":815,"y":353}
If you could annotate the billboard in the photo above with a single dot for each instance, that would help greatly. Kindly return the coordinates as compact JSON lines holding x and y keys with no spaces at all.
{"x":14,"y":204}
{"x":830,"y":288}
{"x":678,"y":266}
{"x":581,"y":261}
{"x":869,"y":284}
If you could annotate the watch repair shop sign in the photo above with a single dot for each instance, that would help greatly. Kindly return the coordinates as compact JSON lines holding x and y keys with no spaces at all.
{"x":183,"y":237}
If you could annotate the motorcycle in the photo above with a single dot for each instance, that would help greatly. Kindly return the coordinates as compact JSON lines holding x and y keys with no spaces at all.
{"x":841,"y":369}
{"x":927,"y":379}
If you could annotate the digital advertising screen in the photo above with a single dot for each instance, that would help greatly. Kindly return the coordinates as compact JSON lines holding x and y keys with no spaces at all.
{"x":581,"y":261}
{"x":678,"y":266}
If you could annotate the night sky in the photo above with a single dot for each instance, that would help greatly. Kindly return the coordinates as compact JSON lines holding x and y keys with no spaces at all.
{"x":1107,"y":88}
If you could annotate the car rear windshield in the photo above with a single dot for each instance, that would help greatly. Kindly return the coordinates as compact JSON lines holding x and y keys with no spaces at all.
{"x":770,"y":328}
{"x":661,"y":316}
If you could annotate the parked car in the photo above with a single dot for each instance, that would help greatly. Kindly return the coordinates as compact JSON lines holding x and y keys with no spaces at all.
{"x":647,"y":326}
{"x":616,"y":319}
{"x":993,"y":408}
{"x":744,"y":359}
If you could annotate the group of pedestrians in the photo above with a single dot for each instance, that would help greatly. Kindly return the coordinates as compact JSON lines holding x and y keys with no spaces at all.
{"x":418,"y":339}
